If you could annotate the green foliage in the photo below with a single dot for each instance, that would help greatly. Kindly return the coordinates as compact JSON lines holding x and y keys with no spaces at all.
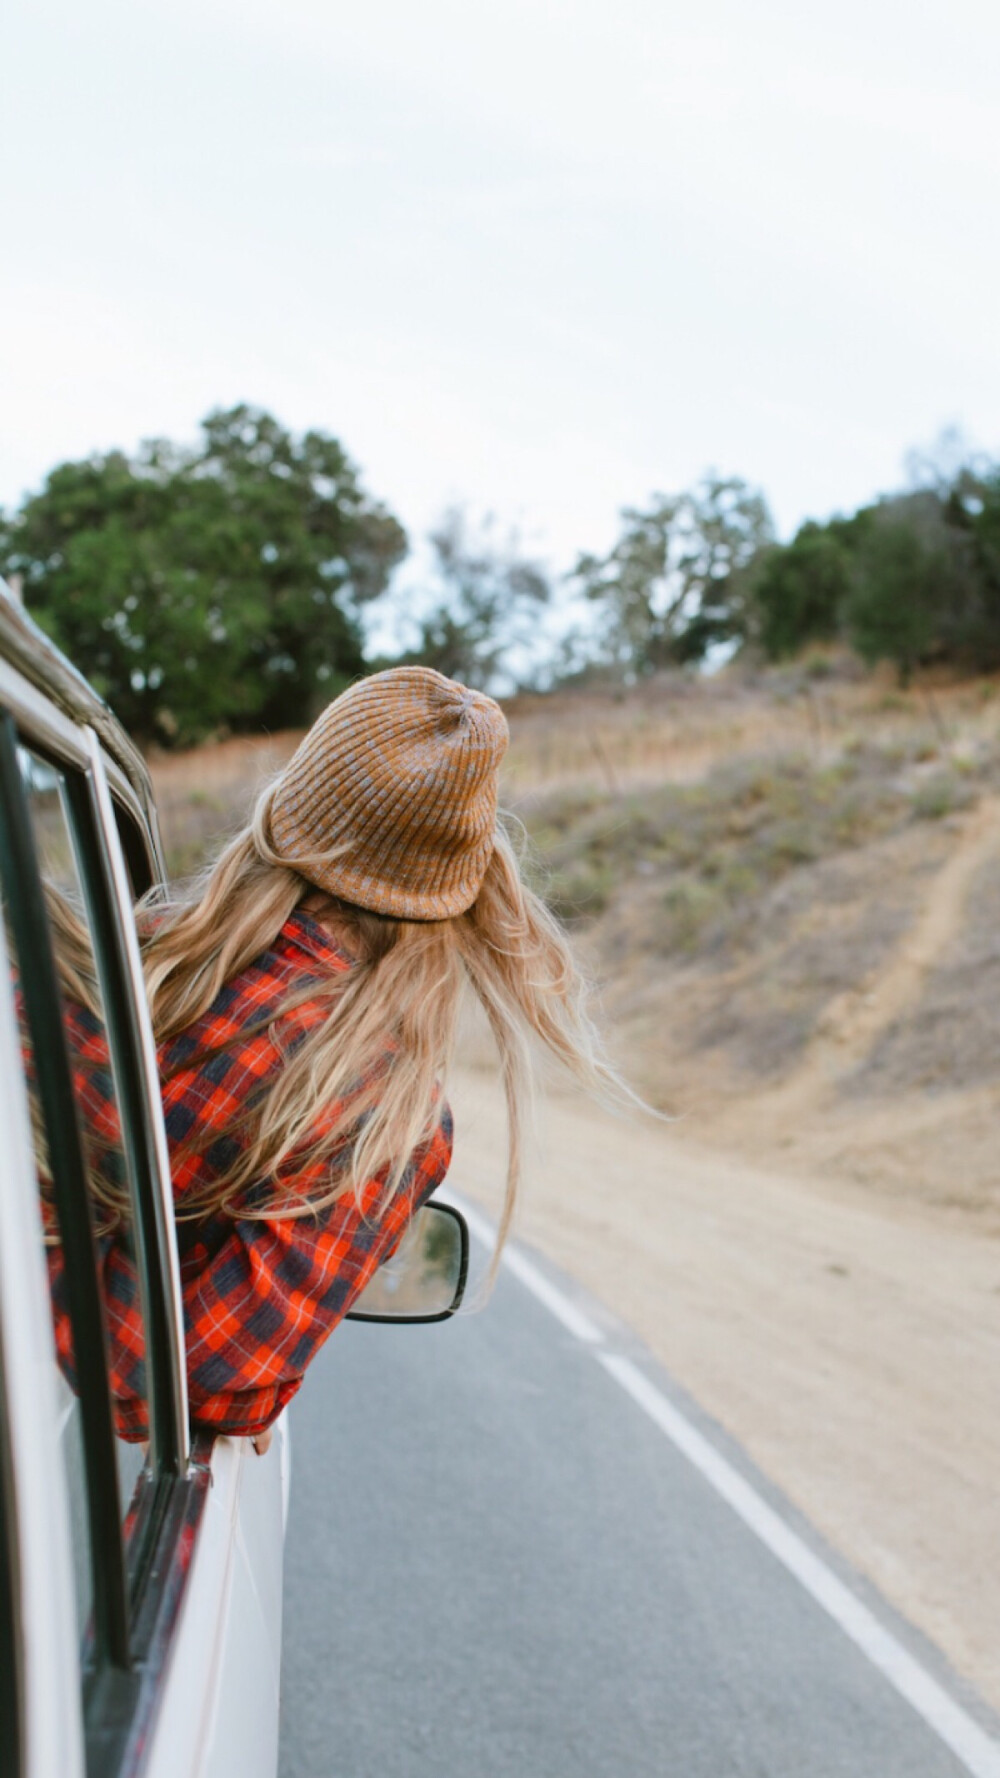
{"x":973,"y":509}
{"x":913,"y":579}
{"x":222,"y":586}
{"x":890,"y":610}
{"x":674,"y":582}
{"x":800,"y":590}
{"x":207,"y":587}
{"x":912,"y":585}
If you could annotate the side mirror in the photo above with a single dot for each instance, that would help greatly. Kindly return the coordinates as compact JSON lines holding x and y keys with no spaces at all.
{"x":425,"y":1278}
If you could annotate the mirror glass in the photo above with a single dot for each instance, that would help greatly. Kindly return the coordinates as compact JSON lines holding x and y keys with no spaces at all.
{"x":425,"y":1277}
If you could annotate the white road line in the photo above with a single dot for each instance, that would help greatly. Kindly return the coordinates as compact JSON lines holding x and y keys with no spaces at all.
{"x":978,"y":1752}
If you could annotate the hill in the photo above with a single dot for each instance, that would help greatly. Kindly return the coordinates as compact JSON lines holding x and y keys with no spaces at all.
{"x":787,"y":888}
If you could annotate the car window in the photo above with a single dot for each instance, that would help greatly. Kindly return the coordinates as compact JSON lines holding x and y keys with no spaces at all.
{"x":96,"y":1110}
{"x":115,"y":1418}
{"x":97,"y":1102}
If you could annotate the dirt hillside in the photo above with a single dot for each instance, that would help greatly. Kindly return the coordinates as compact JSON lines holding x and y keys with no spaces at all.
{"x":789,"y":892}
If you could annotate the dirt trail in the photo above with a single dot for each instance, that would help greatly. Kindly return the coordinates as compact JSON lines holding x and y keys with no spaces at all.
{"x":854,"y":1021}
{"x":852,"y":1346}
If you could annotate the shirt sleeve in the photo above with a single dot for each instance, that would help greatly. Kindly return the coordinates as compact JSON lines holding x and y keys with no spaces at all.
{"x":257,"y":1314}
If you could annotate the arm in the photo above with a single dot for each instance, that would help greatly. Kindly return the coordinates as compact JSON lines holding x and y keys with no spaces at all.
{"x":256,"y":1316}
{"x":257,"y":1311}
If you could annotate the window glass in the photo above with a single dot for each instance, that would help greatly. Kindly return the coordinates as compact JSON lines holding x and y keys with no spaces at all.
{"x":109,"y":1184}
{"x":11,"y":1673}
{"x":69,"y":1431}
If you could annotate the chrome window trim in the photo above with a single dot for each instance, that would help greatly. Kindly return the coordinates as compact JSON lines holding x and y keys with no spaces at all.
{"x":40,"y":720}
{"x":53,"y":1725}
{"x":36,"y":658}
{"x":43,"y":723}
{"x":166,"y":1232}
{"x":78,"y":747}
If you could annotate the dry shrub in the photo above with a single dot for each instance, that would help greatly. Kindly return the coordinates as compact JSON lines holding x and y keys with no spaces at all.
{"x":712,"y":849}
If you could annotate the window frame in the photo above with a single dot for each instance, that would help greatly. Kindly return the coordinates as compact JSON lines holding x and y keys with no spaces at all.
{"x":108,"y":818}
{"x":131,"y":1034}
{"x":43,"y":1006}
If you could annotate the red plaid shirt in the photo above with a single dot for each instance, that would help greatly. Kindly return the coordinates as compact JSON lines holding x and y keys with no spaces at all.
{"x":260,"y":1297}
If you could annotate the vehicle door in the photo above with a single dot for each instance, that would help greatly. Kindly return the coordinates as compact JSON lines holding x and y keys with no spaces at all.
{"x":140,"y":1573}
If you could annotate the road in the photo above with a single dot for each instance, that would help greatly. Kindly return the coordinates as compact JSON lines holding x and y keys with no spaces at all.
{"x":498,"y":1564}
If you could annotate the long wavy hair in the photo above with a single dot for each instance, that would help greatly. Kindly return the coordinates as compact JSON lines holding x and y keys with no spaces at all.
{"x":381,"y":1054}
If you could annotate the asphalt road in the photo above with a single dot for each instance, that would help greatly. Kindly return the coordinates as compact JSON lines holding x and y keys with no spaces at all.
{"x":497,"y":1564}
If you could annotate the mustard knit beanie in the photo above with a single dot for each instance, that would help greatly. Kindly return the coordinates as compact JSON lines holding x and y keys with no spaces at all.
{"x":390,"y":802}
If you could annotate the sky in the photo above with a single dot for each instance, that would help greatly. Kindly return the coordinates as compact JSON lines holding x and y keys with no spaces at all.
{"x":545,"y":257}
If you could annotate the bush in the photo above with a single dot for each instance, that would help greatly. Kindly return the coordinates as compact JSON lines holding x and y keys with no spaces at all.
{"x":937,"y":797}
{"x":894,"y":607}
{"x":712,"y":850}
{"x":799,"y":591}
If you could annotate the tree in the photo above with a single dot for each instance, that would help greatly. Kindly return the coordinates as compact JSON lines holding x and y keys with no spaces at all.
{"x":207,"y":586}
{"x":674,"y":582}
{"x":973,"y":509}
{"x":912,"y":585}
{"x":799,"y":590}
{"x":486,"y":600}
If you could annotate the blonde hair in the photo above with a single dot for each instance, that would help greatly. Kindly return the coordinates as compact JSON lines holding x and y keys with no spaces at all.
{"x":370,"y":1075}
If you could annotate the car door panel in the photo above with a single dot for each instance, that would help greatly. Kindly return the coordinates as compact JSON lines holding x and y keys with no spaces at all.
{"x":218,"y":1707}
{"x":199,"y":1692}
{"x":51,"y":1705}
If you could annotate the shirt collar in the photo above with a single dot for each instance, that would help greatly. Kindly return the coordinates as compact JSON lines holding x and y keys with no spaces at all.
{"x":301,"y":930}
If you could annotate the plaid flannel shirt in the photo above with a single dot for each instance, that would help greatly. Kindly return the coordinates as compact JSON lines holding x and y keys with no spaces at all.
{"x":259,"y":1296}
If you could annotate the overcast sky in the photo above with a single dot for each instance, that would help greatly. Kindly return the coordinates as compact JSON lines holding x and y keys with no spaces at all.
{"x":542,"y":255}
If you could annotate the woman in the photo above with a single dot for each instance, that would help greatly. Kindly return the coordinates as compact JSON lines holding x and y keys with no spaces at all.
{"x":304,"y":999}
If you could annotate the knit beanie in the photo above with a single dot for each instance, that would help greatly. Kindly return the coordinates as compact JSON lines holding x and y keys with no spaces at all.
{"x":390,"y":802}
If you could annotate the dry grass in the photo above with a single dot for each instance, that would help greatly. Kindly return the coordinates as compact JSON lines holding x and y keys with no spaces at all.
{"x":206,"y":795}
{"x":676,"y":726}
{"x":716,"y":847}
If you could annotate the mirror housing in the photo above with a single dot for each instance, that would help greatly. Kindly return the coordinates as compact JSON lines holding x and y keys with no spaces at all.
{"x":424,"y":1280}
